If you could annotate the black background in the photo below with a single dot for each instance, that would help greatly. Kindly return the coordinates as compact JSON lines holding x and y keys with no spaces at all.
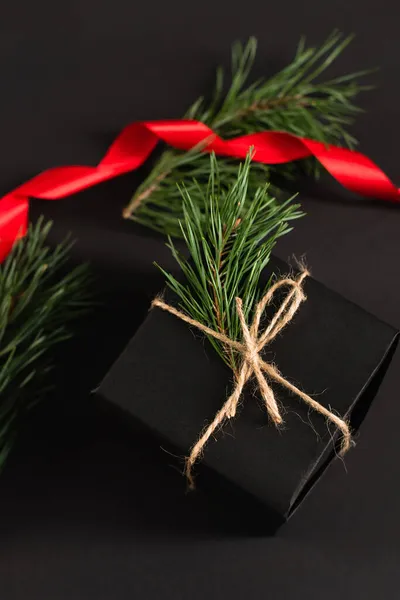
{"x":88,"y":510}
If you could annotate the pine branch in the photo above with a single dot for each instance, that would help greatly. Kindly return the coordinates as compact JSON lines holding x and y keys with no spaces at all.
{"x":37,"y":302}
{"x":292,"y":100}
{"x":228,"y":247}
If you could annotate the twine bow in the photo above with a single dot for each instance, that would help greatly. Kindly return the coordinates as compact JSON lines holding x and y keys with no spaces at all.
{"x":252,"y":364}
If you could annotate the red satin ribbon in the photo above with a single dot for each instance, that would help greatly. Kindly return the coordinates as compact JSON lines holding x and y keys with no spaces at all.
{"x":134,"y":144}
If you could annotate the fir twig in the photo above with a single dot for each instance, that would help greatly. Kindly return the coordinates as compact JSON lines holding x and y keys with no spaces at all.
{"x":37,"y":302}
{"x":292,"y":100}
{"x":228,"y":247}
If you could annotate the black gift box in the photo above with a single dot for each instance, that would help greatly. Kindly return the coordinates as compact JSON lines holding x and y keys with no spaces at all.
{"x":171,"y":380}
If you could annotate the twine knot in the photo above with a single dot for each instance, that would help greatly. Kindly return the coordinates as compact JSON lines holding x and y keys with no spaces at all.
{"x":252,"y":364}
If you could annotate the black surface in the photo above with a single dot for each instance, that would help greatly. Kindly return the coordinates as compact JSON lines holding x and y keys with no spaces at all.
{"x":87,"y":512}
{"x":172,"y":381}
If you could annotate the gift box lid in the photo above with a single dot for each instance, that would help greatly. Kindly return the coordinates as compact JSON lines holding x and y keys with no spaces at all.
{"x":170,"y":378}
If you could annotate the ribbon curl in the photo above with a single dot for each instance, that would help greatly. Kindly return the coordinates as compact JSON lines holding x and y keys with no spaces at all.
{"x":135,"y":143}
{"x":252,"y":364}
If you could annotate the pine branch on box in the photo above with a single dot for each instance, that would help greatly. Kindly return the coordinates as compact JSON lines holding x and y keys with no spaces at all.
{"x":293,"y":100}
{"x":37,"y":302}
{"x":228,"y":246}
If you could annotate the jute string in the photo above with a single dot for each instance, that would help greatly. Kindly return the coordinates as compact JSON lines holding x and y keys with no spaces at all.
{"x":251,"y":364}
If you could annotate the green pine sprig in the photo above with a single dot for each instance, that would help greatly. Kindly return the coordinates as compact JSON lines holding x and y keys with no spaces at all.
{"x":228,"y":247}
{"x":293,"y":100}
{"x":38,"y":300}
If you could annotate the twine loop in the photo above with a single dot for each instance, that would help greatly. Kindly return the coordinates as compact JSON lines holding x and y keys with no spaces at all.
{"x":252,"y":365}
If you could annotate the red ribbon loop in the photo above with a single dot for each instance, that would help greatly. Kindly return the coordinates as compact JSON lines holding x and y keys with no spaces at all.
{"x":135,"y":143}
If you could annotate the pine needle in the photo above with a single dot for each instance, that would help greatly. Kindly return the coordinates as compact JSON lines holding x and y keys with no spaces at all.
{"x":293,"y":100}
{"x":228,"y":248}
{"x":37,"y":302}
